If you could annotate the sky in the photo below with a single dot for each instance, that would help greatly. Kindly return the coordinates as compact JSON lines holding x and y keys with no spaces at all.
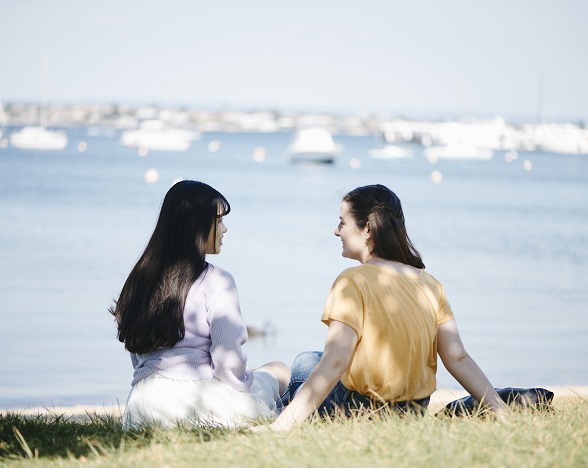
{"x":516,"y":58}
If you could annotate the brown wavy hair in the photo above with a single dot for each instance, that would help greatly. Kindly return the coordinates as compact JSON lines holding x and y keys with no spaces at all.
{"x":381,"y":208}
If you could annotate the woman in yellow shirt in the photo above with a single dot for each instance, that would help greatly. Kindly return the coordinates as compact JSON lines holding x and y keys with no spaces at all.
{"x":388,"y":319}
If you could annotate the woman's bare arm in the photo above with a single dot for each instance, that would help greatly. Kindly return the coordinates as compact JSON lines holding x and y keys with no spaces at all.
{"x":339,"y":347}
{"x":465,"y":370}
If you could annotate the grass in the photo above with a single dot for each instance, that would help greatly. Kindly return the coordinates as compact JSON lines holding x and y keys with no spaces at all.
{"x":553,"y":438}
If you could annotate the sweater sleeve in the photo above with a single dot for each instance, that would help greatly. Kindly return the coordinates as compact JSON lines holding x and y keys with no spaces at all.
{"x":228,"y":334}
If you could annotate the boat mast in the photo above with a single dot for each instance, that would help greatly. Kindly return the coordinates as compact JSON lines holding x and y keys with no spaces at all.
{"x":44,"y":90}
{"x":540,"y":93}
{"x":3,"y":119}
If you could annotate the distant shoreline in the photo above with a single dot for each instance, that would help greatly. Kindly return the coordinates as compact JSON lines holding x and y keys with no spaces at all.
{"x":439,"y":399}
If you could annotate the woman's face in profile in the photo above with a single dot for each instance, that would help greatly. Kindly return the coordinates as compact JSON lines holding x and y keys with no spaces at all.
{"x":352,"y":238}
{"x":215,"y":238}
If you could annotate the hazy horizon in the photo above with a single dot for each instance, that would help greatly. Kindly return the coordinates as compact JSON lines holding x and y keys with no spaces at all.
{"x":520,"y":60}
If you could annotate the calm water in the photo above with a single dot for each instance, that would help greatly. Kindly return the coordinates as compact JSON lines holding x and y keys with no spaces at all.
{"x":510,"y":246}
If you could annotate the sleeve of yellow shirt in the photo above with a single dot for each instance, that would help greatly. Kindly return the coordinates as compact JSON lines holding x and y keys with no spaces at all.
{"x":345,"y":304}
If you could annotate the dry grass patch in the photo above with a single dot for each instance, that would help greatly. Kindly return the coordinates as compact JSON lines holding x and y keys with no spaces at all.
{"x":528,"y":438}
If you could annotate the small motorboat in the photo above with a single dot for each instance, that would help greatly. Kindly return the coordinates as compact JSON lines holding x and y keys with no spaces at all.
{"x":313,"y":145}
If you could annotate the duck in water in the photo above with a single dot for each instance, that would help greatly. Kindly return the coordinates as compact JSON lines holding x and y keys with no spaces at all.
{"x":268,"y":329}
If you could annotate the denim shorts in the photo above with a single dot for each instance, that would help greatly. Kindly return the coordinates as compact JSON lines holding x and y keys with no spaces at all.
{"x":341,"y":398}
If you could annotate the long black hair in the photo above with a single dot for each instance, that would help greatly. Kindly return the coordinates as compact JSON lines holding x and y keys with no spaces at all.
{"x":381,"y":208}
{"x":149,"y":310}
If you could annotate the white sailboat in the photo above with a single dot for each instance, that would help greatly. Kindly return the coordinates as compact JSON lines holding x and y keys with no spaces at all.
{"x":39,"y":137}
{"x":2,"y":123}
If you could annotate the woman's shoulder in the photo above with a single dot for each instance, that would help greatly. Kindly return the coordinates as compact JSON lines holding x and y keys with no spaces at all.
{"x":216,"y":275}
{"x":215,"y":283}
{"x":356,"y":275}
{"x":433,"y":282}
{"x":429,"y":277}
{"x":367,"y":272}
{"x":357,"y":270}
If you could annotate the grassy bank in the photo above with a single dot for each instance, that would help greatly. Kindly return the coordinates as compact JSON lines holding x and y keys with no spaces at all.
{"x":555,"y":438}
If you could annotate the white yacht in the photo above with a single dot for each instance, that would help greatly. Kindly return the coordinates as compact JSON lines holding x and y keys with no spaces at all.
{"x":38,"y":138}
{"x":313,"y":145}
{"x":154,"y":135}
{"x":459,"y":151}
{"x":390,"y":152}
{"x":561,"y":138}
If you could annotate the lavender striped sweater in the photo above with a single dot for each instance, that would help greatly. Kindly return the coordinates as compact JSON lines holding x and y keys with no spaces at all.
{"x":215,"y":333}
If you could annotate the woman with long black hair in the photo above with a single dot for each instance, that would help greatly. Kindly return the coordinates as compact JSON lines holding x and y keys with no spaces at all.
{"x":179,"y":317}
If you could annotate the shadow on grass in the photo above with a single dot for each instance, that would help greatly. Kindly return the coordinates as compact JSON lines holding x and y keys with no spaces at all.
{"x":58,"y":436}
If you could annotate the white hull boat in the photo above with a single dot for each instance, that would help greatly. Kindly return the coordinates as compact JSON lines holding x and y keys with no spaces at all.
{"x":390,"y":152}
{"x":458,"y":151}
{"x":313,"y":145}
{"x":38,"y":138}
{"x":152,"y":135}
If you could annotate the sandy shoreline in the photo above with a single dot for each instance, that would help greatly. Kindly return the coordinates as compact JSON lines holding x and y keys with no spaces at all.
{"x":440,"y":398}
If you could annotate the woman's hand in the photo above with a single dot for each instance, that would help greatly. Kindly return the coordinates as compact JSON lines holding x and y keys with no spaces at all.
{"x":465,"y":370}
{"x":339,"y":347}
{"x":260,"y":428}
{"x":269,"y":428}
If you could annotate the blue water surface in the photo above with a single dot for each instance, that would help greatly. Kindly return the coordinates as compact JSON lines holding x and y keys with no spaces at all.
{"x":510,"y":246}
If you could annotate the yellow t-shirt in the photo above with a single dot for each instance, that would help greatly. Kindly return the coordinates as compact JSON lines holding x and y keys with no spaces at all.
{"x":396,"y":316}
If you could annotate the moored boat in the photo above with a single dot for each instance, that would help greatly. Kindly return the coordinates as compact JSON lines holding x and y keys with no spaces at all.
{"x":38,"y":138}
{"x":459,"y":151}
{"x":390,"y":152}
{"x":154,"y":135}
{"x":313,"y":145}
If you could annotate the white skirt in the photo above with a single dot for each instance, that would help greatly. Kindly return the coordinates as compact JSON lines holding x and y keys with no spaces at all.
{"x":158,"y":400}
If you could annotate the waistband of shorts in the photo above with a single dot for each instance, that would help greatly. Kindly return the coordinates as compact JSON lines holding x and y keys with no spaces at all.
{"x":364,"y":400}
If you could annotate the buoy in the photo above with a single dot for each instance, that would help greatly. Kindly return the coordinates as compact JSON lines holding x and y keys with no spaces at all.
{"x":214,"y":146}
{"x":436,"y":177}
{"x":259,"y":154}
{"x":82,"y":146}
{"x":151,"y":176}
{"x":354,"y":163}
{"x":511,"y":155}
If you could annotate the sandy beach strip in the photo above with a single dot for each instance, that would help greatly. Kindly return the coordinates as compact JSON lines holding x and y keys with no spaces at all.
{"x":439,"y":399}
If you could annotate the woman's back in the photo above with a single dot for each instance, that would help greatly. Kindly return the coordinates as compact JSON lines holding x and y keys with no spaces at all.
{"x":396,"y":316}
{"x":214,"y":333}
